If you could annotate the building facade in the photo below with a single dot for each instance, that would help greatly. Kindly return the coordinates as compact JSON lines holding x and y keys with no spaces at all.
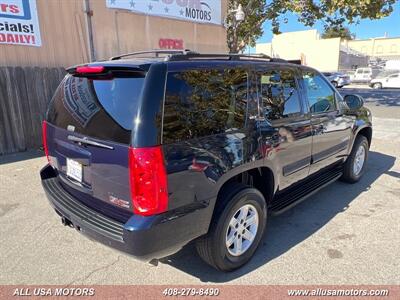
{"x":74,"y":31}
{"x":329,"y":54}
{"x":305,"y":46}
{"x":382,"y":47}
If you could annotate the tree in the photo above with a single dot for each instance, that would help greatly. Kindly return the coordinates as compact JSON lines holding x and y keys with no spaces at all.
{"x":246,"y":32}
{"x":338,"y":31}
{"x":331,"y":12}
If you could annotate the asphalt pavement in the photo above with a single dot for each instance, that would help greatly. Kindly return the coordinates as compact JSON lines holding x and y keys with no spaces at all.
{"x":345,"y":234}
{"x":383,"y":103}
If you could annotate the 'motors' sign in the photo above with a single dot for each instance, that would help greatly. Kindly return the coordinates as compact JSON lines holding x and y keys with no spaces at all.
{"x":203,"y":11}
{"x":194,"y":9}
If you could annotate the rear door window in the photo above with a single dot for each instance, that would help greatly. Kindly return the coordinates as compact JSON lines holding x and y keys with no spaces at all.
{"x":102,"y":109}
{"x":199,"y":103}
{"x":279,"y":94}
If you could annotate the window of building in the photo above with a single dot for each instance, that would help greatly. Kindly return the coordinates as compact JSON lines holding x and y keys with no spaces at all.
{"x":279,"y":94}
{"x":200,"y":103}
{"x":364,"y":49}
{"x":321,"y":97}
{"x":393,"y":48}
{"x":379,"y":49}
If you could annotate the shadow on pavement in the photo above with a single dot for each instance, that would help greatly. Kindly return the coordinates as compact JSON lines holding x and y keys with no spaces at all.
{"x":291,"y":228}
{"x":15,"y":157}
{"x":389,"y":97}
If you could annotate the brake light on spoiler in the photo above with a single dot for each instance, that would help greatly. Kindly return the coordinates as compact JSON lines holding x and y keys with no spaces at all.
{"x":90,"y":69}
{"x":148,"y":181}
{"x":106,"y":72}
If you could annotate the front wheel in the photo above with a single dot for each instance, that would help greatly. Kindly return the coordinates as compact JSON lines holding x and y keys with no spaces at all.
{"x":236,"y":229}
{"x":355,"y":164}
{"x":377,"y":86}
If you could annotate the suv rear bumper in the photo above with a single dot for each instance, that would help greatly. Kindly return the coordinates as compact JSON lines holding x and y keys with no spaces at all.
{"x":146,"y":238}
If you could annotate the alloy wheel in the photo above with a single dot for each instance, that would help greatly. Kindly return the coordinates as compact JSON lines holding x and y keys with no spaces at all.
{"x":359,"y":160}
{"x":242,"y":230}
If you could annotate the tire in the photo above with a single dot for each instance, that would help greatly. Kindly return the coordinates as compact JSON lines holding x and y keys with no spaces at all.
{"x":335,"y":84}
{"x":213,"y":248}
{"x":352,"y":173}
{"x":377,"y":86}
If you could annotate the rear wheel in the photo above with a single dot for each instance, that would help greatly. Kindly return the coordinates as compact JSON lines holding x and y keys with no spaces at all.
{"x":236,"y":229}
{"x":377,"y":85}
{"x":355,"y":164}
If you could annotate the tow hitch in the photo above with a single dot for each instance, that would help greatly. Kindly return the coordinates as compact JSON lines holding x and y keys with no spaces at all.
{"x":66,"y":222}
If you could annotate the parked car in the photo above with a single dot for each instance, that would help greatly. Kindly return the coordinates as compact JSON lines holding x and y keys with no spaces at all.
{"x":146,"y":154}
{"x":337,"y":79}
{"x":365,"y":75}
{"x":351,"y":75}
{"x":390,"y":81}
{"x":392,"y":64}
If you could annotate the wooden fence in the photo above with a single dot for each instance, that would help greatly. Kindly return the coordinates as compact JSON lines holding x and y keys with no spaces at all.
{"x":24,"y":96}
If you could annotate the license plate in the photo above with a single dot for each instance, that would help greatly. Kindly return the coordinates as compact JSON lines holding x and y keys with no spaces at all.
{"x":74,"y":170}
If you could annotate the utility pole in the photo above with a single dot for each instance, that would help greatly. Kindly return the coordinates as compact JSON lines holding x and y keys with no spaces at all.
{"x":89,"y":29}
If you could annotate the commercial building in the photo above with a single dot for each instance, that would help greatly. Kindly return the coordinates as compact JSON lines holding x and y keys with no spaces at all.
{"x":39,"y":38}
{"x":52,"y":33}
{"x":386,"y":48}
{"x":329,"y":54}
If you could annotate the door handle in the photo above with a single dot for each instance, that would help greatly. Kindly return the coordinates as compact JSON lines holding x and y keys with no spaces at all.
{"x":257,"y":118}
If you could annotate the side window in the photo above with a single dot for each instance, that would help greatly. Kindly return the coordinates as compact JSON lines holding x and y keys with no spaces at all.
{"x":321,"y":97}
{"x":279,"y":94}
{"x":199,"y":103}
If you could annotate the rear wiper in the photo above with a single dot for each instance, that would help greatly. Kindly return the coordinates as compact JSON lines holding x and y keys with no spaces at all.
{"x":88,"y":142}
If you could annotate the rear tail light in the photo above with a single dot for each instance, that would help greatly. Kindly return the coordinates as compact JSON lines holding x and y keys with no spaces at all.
{"x":44,"y":140}
{"x":148,"y":181}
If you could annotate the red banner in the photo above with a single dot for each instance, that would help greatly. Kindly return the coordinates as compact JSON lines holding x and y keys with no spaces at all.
{"x":231,"y":292}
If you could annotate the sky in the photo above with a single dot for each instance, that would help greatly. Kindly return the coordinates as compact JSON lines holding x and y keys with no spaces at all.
{"x":364,"y":30}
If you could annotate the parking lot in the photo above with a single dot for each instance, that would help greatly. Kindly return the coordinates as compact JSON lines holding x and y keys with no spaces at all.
{"x":383,"y":103}
{"x":345,"y":234}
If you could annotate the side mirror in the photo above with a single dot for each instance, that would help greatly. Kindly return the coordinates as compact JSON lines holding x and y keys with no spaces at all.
{"x":354,"y":102}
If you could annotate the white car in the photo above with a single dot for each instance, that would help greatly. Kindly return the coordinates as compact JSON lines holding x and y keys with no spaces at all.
{"x":364,"y":74}
{"x":390,"y":81}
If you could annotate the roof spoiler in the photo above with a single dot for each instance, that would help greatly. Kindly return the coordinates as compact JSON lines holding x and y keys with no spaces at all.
{"x":99,"y":70}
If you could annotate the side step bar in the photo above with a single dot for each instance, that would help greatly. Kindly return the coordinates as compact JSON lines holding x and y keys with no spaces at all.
{"x":287,"y":200}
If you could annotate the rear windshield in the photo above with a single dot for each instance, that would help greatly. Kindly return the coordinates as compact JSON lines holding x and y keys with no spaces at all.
{"x":102,"y":109}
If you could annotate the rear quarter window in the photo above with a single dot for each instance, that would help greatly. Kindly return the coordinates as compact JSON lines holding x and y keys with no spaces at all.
{"x":200,"y":103}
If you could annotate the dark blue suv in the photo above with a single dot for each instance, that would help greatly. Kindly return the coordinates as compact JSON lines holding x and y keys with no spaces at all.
{"x":149,"y":151}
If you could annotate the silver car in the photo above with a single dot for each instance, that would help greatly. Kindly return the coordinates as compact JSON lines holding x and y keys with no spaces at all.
{"x":338,"y":79}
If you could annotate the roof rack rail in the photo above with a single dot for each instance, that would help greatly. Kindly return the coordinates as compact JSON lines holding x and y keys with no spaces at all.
{"x":228,"y":56}
{"x":156,"y":52}
{"x":182,"y":55}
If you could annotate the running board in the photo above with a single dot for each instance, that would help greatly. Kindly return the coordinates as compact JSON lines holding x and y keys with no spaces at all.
{"x":287,"y":200}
